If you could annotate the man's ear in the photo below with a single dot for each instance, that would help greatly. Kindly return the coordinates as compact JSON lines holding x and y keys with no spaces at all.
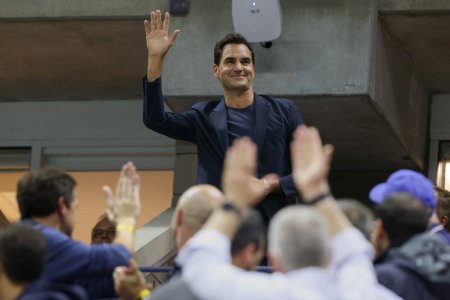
{"x":179,"y":218}
{"x":62,"y":208}
{"x":274,"y":262}
{"x":444,"y":221}
{"x":215,"y":69}
{"x":249,"y":252}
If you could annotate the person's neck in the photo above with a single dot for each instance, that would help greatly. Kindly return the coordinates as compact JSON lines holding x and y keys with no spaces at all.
{"x":50,"y":220}
{"x":10,"y":291}
{"x":239,"y":99}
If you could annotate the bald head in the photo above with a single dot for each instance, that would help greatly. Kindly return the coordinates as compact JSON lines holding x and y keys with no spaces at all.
{"x":193,"y":210}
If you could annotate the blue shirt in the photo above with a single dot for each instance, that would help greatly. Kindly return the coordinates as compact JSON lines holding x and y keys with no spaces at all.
{"x":72,"y":262}
{"x":241,"y":122}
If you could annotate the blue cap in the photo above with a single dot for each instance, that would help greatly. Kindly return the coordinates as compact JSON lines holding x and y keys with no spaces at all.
{"x":406,"y":181}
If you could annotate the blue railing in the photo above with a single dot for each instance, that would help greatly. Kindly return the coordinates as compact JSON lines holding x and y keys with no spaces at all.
{"x":166,"y":269}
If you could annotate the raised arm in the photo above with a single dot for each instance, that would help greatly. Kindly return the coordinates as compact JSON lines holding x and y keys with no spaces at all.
{"x":124,"y":206}
{"x":158,"y":42}
{"x":310,"y":167}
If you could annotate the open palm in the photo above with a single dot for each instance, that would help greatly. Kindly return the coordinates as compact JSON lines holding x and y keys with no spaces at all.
{"x":156,"y":33}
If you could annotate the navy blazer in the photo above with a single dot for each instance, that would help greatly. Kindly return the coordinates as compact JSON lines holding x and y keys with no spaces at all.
{"x":205,"y":125}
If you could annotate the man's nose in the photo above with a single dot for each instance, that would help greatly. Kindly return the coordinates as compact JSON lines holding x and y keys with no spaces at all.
{"x":238,"y":66}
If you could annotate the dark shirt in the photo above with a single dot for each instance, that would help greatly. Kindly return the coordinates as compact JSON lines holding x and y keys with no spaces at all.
{"x":241,"y":122}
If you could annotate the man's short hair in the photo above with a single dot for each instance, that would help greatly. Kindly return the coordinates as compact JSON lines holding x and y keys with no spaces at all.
{"x":359,"y":215}
{"x":231,"y":38}
{"x":403,"y":215}
{"x":38,"y":192}
{"x":22,"y":253}
{"x":298,"y":237}
{"x":251,"y":231}
{"x":443,"y":204}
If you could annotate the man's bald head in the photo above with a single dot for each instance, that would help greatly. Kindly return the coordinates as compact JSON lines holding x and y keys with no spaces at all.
{"x":193,"y":210}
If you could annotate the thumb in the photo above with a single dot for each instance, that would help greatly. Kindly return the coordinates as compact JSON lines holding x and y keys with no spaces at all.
{"x":271,"y":176}
{"x":174,"y":34}
{"x":132,"y":267}
{"x":110,"y":201}
{"x":328,"y":150}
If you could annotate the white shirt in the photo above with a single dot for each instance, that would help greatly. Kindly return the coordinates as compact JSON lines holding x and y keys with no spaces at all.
{"x":209,"y":274}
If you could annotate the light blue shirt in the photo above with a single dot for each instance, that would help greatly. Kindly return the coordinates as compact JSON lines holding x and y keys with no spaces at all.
{"x":350,"y":275}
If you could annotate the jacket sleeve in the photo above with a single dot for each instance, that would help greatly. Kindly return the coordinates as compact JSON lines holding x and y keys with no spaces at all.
{"x":295,"y":119}
{"x":174,"y":125}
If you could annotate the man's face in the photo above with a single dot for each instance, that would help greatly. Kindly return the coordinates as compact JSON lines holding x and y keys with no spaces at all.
{"x":68,"y":222}
{"x":235,"y":70}
{"x":103,"y":232}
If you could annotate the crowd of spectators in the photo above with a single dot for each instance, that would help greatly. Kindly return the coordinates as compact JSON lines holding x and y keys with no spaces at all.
{"x":393,"y":252}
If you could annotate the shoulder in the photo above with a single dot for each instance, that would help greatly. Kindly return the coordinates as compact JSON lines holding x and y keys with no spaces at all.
{"x":206,"y":106}
{"x":274,"y":100}
{"x":43,"y":289}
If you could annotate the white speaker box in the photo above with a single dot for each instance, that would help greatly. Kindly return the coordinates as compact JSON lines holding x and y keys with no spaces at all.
{"x":257,"y":20}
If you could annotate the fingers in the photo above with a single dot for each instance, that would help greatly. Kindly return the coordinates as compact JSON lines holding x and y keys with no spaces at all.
{"x":152,"y":21}
{"x":147,"y":26}
{"x":166,"y":21}
{"x":108,"y":195}
{"x":158,"y":21}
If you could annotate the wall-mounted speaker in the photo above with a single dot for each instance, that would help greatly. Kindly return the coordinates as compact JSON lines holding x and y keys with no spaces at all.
{"x":257,"y":20}
{"x":179,"y":7}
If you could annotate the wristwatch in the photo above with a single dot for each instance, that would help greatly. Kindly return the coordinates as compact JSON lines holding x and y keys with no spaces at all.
{"x":230,"y":206}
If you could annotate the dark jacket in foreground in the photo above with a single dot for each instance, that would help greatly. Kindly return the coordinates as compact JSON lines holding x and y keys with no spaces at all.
{"x":418,"y":269}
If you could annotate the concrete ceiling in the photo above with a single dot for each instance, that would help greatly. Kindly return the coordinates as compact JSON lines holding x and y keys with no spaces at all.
{"x":426,"y":40}
{"x":71,"y":60}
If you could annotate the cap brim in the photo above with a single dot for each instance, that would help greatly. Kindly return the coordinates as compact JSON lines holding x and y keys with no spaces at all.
{"x":377,"y":193}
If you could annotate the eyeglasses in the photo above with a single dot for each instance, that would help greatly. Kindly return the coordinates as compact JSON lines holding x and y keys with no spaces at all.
{"x":110,"y":232}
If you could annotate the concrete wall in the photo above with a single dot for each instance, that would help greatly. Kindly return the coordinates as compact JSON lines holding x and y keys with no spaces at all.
{"x":84,"y":135}
{"x":400,"y":95}
{"x":298,"y":63}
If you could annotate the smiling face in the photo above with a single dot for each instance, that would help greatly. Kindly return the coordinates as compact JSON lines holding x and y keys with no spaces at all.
{"x":235,"y":70}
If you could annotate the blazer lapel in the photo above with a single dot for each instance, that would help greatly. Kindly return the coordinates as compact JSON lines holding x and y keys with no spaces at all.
{"x":261,"y":117}
{"x":219,"y":121}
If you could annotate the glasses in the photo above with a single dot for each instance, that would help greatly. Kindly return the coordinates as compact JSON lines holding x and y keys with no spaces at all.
{"x":110,"y":232}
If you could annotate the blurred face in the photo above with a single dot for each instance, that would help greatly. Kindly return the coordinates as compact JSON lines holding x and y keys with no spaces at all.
{"x":68,"y":222}
{"x":103,"y":232}
{"x":235,"y":70}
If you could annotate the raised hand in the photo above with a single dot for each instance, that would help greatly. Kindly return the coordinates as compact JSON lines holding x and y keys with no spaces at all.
{"x":310,"y":162}
{"x":156,"y":33}
{"x":238,"y":178}
{"x":125,"y":205}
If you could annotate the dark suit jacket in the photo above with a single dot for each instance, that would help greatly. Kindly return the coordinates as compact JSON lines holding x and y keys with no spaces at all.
{"x":205,"y":124}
